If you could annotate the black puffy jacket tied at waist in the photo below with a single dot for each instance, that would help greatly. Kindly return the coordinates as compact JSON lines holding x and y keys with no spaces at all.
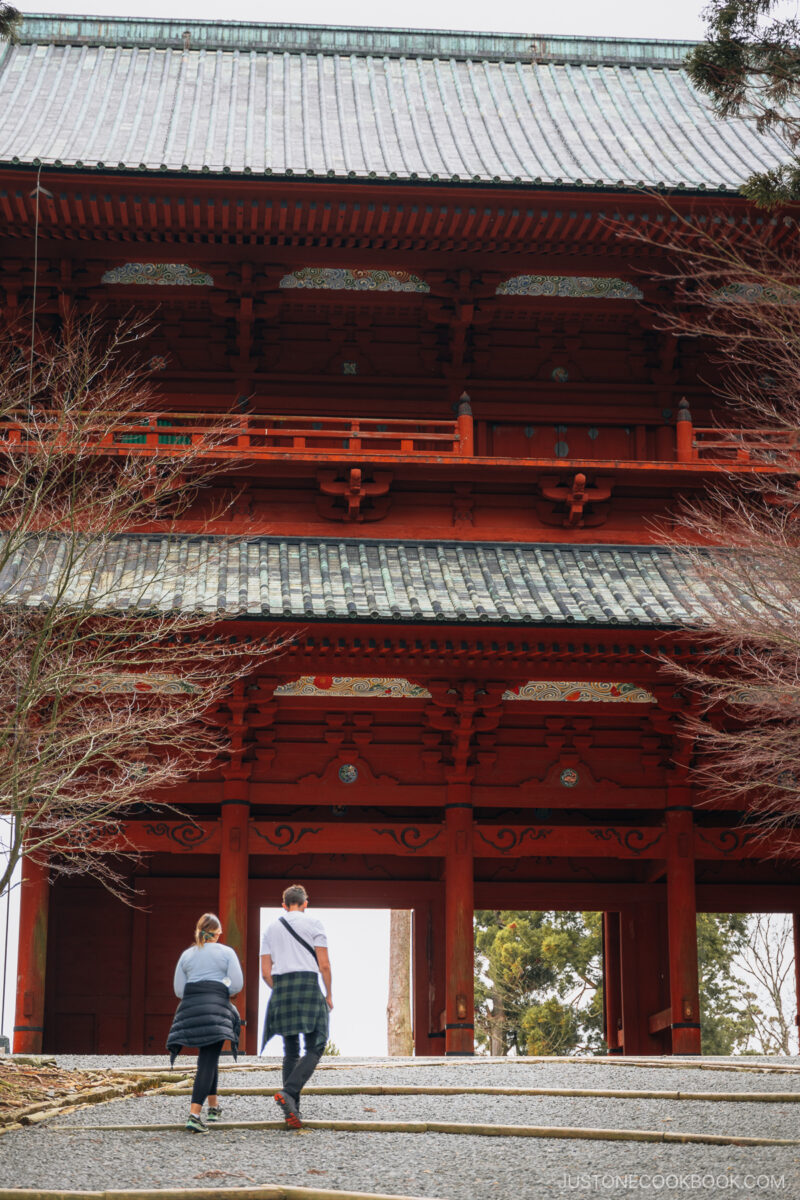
{"x":205,"y":1015}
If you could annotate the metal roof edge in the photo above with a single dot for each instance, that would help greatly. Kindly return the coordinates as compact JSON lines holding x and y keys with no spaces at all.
{"x":164,"y":33}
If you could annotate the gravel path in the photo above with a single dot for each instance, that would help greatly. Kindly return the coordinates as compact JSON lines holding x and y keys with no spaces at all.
{"x":479,"y":1072}
{"x":431,"y":1165}
{"x":747,"y":1120}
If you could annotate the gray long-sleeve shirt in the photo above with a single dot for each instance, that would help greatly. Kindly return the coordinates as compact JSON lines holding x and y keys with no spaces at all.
{"x":212,"y":961}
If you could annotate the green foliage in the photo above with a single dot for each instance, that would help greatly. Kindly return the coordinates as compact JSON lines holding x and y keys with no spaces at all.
{"x":10,"y":19}
{"x":537,"y":979}
{"x":749,"y":66}
{"x":725,"y":1023}
{"x":538,"y":983}
{"x":331,"y":1050}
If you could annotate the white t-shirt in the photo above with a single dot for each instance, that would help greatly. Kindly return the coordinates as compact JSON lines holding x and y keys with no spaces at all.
{"x":285,"y":951}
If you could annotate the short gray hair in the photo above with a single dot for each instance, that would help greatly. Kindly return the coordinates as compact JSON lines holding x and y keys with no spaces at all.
{"x":296,"y":894}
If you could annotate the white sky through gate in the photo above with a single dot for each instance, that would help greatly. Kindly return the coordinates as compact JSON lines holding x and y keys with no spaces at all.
{"x":624,"y":18}
{"x":358,"y":944}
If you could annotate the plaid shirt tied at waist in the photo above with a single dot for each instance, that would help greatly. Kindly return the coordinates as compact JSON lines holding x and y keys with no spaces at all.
{"x":296,"y":1005}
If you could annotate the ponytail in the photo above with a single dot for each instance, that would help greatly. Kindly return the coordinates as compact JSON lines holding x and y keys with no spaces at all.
{"x":206,"y":929}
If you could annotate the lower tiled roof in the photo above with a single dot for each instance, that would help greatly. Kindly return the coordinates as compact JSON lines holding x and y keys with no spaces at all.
{"x":349,"y":579}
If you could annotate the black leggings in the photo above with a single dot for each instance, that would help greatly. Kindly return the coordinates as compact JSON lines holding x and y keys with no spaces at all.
{"x":296,"y":1070}
{"x":205,"y":1080}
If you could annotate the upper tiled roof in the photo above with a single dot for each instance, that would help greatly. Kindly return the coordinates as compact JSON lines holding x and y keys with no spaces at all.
{"x":345,"y":579}
{"x":361,"y":104}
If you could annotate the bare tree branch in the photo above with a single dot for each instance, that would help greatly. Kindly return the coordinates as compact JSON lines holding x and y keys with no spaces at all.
{"x":737,"y":292}
{"x":107,"y":697}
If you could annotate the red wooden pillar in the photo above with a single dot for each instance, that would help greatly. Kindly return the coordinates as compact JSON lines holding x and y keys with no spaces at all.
{"x":234,"y":864}
{"x":459,"y":913}
{"x":612,"y":982}
{"x":253,"y":983}
{"x":684,"y":992}
{"x":422,"y":955}
{"x":33,"y":913}
{"x":429,"y":989}
{"x":643,"y":957}
{"x":438,"y":982}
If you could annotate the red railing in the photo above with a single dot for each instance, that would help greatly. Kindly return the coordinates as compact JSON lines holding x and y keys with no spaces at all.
{"x":767,"y":446}
{"x":263,"y":437}
{"x":257,"y":436}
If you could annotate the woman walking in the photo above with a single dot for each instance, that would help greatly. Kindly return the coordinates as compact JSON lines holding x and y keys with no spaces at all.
{"x":206,"y":976}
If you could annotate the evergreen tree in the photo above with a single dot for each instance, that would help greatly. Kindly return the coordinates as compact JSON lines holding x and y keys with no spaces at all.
{"x":749,"y":65}
{"x":538,"y":983}
{"x":10,"y":18}
{"x":538,"y":978}
{"x":725,"y":1024}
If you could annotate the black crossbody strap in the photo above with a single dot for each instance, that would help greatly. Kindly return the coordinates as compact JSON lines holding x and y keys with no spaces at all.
{"x":297,"y":938}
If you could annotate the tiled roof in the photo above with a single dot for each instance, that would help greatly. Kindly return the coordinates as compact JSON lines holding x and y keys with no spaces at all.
{"x":365,"y":104}
{"x":346,"y":579}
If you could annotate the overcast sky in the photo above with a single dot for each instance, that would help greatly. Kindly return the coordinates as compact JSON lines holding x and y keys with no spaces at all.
{"x":623,"y":18}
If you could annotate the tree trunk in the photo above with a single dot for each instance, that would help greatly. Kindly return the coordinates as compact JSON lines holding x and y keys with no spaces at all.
{"x":398,"y":1010}
{"x":497,"y":1041}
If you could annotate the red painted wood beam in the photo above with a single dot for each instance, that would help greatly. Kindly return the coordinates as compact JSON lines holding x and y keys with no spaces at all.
{"x":566,"y":895}
{"x":188,"y":836}
{"x":565,"y":213}
{"x":631,"y":842}
{"x":316,"y":837}
{"x":578,"y":841}
{"x":32,"y":958}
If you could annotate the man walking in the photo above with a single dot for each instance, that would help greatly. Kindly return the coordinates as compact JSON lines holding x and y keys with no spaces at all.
{"x":294,"y":953}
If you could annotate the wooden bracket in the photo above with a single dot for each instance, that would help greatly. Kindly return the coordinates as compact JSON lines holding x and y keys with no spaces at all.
{"x":660,"y":1020}
{"x":353,"y":498}
{"x":570,"y":502}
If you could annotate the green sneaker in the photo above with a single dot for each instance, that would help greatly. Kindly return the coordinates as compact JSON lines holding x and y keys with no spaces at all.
{"x":214,"y":1114}
{"x":195,"y":1125}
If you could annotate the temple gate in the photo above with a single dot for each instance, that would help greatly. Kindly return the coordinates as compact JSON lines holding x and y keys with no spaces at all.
{"x":387,"y":263}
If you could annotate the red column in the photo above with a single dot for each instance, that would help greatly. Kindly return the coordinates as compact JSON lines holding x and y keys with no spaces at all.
{"x":466,"y":427}
{"x":253,"y":984}
{"x":684,"y":433}
{"x":612,"y":982}
{"x":33,"y":912}
{"x":684,"y":992}
{"x":429,"y":990}
{"x":233,"y":881}
{"x":459,"y":912}
{"x":421,"y":955}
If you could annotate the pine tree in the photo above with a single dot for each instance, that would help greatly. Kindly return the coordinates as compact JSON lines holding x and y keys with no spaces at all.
{"x":538,"y":983}
{"x":10,"y":19}
{"x":749,"y":65}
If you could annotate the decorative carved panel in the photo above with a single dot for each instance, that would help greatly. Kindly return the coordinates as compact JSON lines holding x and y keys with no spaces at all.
{"x":343,"y":279}
{"x":593,"y":287}
{"x":397,"y":688}
{"x":571,"y":692}
{"x":159,"y":274}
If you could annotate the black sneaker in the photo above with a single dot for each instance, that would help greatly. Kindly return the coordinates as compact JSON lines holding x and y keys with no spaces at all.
{"x":195,"y":1125}
{"x":214,"y":1114}
{"x":288,"y":1107}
